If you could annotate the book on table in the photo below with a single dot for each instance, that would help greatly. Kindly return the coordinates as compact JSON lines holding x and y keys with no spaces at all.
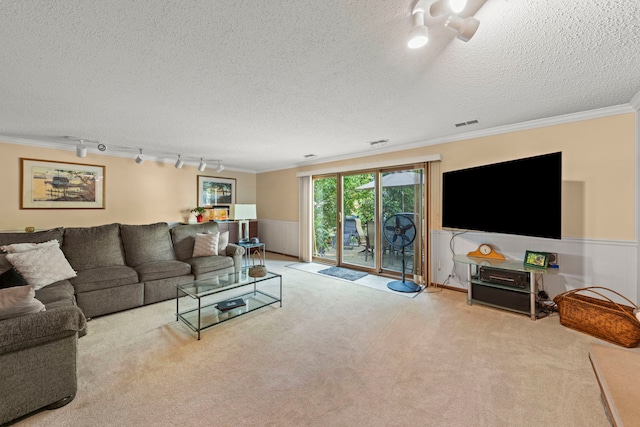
{"x":231,"y":304}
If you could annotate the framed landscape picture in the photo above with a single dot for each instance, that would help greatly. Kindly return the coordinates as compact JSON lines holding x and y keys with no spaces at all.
{"x":57,"y":185}
{"x":216,"y":191}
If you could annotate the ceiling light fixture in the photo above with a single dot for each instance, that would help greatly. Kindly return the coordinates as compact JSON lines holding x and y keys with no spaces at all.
{"x":220,"y":167}
{"x":457,"y":6}
{"x":418,"y":36}
{"x":465,"y":28}
{"x":202,"y":165}
{"x":179,"y":162}
{"x":81,"y":149}
{"x":140,"y":157}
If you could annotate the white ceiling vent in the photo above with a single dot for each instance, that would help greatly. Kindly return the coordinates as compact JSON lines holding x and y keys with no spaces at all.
{"x":470,"y":122}
{"x":378,"y":143}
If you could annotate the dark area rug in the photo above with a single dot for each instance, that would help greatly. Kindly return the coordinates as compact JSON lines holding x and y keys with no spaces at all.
{"x":343,"y":273}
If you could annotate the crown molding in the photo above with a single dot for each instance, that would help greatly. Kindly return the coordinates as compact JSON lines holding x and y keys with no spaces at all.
{"x":635,"y":102}
{"x":114,"y":152}
{"x":531,"y":124}
{"x":633,"y":106}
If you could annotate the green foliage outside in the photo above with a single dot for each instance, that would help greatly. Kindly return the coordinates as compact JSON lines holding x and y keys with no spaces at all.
{"x":360,"y":203}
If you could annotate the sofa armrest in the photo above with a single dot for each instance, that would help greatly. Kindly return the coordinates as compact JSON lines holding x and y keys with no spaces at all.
{"x":236,"y":252}
{"x":34,"y":329}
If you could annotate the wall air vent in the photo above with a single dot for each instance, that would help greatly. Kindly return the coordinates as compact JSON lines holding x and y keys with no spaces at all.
{"x":470,"y":122}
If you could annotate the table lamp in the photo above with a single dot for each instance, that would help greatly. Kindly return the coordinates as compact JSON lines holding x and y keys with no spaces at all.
{"x":242,"y":214}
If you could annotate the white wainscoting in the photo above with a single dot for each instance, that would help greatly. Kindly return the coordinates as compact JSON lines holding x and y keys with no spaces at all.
{"x":280,"y":236}
{"x":583,"y":262}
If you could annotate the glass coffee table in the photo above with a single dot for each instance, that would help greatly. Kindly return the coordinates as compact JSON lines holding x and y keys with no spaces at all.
{"x":202,"y":300}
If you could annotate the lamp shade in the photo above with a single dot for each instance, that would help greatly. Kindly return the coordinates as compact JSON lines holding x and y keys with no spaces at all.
{"x":242,"y":212}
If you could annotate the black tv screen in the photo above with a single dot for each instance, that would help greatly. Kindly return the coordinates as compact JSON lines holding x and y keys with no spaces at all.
{"x":516,"y":197}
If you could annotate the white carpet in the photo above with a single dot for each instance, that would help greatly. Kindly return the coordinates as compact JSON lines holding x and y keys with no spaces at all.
{"x":370,"y":280}
{"x":333,"y":355}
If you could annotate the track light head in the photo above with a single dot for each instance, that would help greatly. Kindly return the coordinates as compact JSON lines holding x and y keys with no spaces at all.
{"x":202,"y":165}
{"x":418,"y":35}
{"x":457,"y":6}
{"x":466,"y":28}
{"x":179,"y":162}
{"x":140,"y":157}
{"x":220,"y":167}
{"x":81,"y":149}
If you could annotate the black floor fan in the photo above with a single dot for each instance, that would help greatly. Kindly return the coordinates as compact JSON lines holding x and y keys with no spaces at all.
{"x":400,"y":231}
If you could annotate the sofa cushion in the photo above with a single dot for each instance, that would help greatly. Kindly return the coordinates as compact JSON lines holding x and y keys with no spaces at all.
{"x":103,"y":278}
{"x":146,"y":243}
{"x":41,"y":267}
{"x":93,"y":247}
{"x":162,"y":270}
{"x":203,"y":265}
{"x":19,"y":301}
{"x":59,"y":294}
{"x":183,"y":237}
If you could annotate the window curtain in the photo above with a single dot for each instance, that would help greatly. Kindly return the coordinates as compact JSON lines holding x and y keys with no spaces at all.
{"x":305,"y":215}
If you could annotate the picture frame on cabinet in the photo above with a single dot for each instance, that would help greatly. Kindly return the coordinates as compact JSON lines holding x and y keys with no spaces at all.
{"x":536,"y":259}
{"x":215,"y":191}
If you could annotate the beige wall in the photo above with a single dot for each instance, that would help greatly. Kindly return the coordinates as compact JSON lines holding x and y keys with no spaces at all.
{"x":135,"y":194}
{"x":598,"y":174}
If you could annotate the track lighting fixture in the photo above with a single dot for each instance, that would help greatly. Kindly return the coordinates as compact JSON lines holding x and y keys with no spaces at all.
{"x":465,"y":28}
{"x":441,"y":12}
{"x":457,"y":6}
{"x":81,"y":149}
{"x":220,"y":167}
{"x":179,"y":162}
{"x":418,"y":35}
{"x":446,"y":7}
{"x":140,"y":157}
{"x":202,"y":165}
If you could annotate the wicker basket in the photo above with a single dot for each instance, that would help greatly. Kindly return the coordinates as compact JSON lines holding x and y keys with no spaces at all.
{"x":602,"y":318}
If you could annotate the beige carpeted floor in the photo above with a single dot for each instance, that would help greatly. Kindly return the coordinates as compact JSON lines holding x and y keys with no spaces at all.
{"x":335,"y":354}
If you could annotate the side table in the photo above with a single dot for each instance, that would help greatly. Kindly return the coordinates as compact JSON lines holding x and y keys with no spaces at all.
{"x":261,"y":247}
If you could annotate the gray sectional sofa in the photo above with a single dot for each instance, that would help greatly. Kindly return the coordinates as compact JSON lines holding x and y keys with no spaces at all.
{"x":118,"y":267}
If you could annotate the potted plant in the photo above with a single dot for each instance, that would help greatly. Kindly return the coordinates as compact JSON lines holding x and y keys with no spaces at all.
{"x":199,"y":211}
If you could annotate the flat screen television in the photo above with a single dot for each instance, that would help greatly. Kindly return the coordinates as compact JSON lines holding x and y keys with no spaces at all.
{"x":520,"y":197}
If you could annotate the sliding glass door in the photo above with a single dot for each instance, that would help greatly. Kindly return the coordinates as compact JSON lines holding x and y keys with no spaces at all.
{"x":353,"y":218}
{"x":358,"y":215}
{"x":402,"y":194}
{"x":325,"y":214}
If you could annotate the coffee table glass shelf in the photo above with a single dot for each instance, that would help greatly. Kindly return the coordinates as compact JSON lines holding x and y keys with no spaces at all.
{"x":199,"y":299}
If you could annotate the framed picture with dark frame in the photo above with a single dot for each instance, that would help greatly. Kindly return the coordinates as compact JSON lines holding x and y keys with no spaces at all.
{"x":61,"y":185}
{"x":214,"y":191}
{"x":536,"y":259}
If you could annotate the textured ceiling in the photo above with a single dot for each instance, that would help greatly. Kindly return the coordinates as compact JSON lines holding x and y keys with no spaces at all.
{"x":260,"y":84}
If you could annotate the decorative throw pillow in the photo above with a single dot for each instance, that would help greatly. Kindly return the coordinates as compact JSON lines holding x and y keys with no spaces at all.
{"x":223,"y":242}
{"x":21,"y":247}
{"x":11,"y":278}
{"x":42,"y":267}
{"x":206,"y":244}
{"x":19,"y":301}
{"x":25,"y":247}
